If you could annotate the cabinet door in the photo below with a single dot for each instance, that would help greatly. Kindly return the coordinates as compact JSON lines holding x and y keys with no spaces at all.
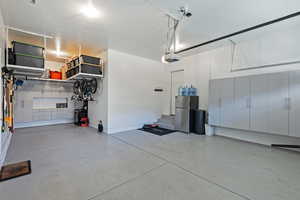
{"x":214,"y":103}
{"x":278,"y":103}
{"x":294,"y":114}
{"x":259,"y":111}
{"x":241,"y":111}
{"x":227,"y":102}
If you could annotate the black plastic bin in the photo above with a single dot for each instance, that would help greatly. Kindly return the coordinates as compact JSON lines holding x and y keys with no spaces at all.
{"x":89,"y":60}
{"x":29,"y":61}
{"x":90,"y":69}
{"x":198,"y":126}
{"x":72,"y":72}
{"x":27,"y":49}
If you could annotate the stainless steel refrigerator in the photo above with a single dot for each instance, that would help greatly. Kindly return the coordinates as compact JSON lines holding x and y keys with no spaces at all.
{"x":184,"y":106}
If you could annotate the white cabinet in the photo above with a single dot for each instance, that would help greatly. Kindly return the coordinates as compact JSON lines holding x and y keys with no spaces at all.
{"x":241,"y":110}
{"x":226,"y":102}
{"x":221,"y":102}
{"x":278,"y":98}
{"x":22,"y":108}
{"x":294,"y":101}
{"x":214,"y":103}
{"x":259,"y":103}
{"x":267,"y":103}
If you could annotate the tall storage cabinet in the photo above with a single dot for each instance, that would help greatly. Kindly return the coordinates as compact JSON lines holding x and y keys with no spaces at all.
{"x":214,"y":103}
{"x":267,"y":103}
{"x":294,"y":104}
{"x":241,"y":110}
{"x":226,"y":102}
{"x":278,"y":98}
{"x":259,"y":103}
{"x":221,"y":97}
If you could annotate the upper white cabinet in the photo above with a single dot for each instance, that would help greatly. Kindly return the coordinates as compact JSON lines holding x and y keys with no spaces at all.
{"x":273,"y":48}
{"x":294,"y":103}
{"x":241,"y":109}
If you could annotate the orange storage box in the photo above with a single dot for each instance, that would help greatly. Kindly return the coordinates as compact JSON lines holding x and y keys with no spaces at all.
{"x":55,"y":75}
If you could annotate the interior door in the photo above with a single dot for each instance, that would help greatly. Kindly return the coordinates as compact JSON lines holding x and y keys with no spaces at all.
{"x":177,"y":80}
{"x":259,"y":103}
{"x":241,"y":114}
{"x":294,"y":101}
{"x":227,"y":102}
{"x":278,"y":103}
{"x":214,"y":103}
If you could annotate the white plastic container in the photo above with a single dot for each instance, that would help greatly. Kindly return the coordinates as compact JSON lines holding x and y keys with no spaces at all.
{"x":209,"y":130}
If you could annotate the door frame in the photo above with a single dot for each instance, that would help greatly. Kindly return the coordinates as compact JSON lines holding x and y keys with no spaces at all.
{"x":171,"y":87}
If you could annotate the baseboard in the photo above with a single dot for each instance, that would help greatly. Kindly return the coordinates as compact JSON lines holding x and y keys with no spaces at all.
{"x":257,"y":137}
{"x":118,"y":130}
{"x":42,"y":123}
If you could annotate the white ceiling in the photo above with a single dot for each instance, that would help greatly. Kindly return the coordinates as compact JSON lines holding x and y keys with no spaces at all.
{"x":138,"y":26}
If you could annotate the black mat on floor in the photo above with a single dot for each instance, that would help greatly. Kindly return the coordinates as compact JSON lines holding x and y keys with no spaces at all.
{"x":157,"y":130}
{"x":15,"y":170}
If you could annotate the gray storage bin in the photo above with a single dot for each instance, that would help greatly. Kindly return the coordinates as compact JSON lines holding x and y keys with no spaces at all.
{"x":89,"y":60}
{"x":27,"y":49}
{"x":72,"y":72}
{"x":25,"y":60}
{"x":90,"y":69}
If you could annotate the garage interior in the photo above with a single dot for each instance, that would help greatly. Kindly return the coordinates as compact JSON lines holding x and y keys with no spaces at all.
{"x":148,"y":99}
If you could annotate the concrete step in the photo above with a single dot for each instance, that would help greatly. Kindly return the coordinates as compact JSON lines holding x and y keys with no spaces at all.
{"x":167,"y":121}
{"x":167,"y":117}
{"x":167,"y":126}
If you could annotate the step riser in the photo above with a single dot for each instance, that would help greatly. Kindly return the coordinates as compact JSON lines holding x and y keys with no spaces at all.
{"x":167,"y":126}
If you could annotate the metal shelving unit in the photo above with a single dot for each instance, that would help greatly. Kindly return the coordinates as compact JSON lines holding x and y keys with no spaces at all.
{"x":85,"y":75}
{"x":50,"y":80}
{"x":24,"y":70}
{"x":81,"y":75}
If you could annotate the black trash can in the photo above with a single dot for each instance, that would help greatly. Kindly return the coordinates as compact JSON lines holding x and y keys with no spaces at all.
{"x":198,"y":126}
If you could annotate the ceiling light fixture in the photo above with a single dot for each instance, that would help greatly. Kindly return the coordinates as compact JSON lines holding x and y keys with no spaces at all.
{"x":90,"y":10}
{"x":58,"y":53}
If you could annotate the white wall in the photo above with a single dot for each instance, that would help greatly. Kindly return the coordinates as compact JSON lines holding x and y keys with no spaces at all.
{"x":132,"y":101}
{"x":98,"y":109}
{"x":196,"y":73}
{"x":128,"y":100}
{"x":35,"y":104}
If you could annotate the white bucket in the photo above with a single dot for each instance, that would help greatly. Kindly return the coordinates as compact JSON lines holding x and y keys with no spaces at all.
{"x":209,"y":130}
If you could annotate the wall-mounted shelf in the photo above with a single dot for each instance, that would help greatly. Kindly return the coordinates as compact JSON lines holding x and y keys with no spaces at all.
{"x":85,"y":75}
{"x":25,"y":71}
{"x":25,"y":68}
{"x":25,"y":77}
{"x":51,"y":80}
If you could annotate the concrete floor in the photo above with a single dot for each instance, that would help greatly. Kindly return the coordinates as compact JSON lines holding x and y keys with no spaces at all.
{"x":71,"y":163}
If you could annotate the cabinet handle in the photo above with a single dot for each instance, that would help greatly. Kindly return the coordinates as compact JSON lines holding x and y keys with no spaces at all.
{"x":287,"y":103}
{"x":248,"y":104}
{"x":220,"y":102}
